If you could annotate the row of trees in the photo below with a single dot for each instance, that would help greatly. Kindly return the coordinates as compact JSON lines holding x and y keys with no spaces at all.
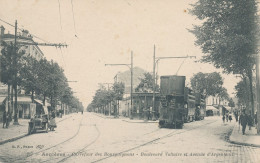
{"x":227,"y":36}
{"x":107,"y":98}
{"x":41,"y":78}
{"x":110,"y":97}
{"x":208,"y":84}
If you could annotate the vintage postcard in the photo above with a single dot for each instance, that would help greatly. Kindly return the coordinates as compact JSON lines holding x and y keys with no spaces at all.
{"x":129,"y":81}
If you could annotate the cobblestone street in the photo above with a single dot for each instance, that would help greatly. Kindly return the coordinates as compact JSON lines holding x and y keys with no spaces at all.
{"x":90,"y":138}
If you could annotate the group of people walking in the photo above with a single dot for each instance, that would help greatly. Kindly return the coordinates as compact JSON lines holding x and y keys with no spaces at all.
{"x":227,"y":117}
{"x":243,"y":119}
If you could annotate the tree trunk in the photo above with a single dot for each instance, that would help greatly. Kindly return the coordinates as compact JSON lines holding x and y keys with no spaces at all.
{"x":8,"y":101}
{"x":43,"y":101}
{"x":15,"y":105}
{"x":12,"y":98}
{"x":118,"y":108}
{"x":247,"y":95}
{"x":32,"y":96}
{"x":251,"y":93}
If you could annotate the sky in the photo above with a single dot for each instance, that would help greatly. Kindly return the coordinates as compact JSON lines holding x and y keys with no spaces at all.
{"x":100,"y":32}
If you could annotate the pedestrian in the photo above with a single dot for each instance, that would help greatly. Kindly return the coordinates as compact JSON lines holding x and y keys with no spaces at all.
{"x":236,"y":115}
{"x":250,"y":122}
{"x":223,"y":118}
{"x":227,"y":116}
{"x":256,"y":120}
{"x":243,"y":120}
{"x":52,"y":121}
{"x":8,"y":119}
{"x":4,"y":119}
{"x":230,"y":117}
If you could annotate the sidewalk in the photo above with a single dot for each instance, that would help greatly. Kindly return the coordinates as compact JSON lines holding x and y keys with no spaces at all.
{"x":14,"y":132}
{"x":250,"y":138}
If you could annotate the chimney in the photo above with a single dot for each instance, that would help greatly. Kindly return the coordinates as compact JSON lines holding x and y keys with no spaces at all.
{"x":25,"y":33}
{"x":2,"y":30}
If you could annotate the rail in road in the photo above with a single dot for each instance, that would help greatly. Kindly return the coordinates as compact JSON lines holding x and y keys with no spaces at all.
{"x":175,"y":132}
{"x":66,"y":140}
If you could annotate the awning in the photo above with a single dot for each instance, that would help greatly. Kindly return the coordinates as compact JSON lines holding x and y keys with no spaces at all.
{"x":2,"y":98}
{"x":228,"y":108}
{"x":209,"y":107}
{"x":40,"y":102}
{"x":23,"y":100}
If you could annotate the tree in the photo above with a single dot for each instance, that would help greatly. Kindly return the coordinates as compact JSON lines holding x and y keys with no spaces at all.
{"x":209,"y":84}
{"x":146,"y":84}
{"x":228,"y":35}
{"x":10,"y":65}
{"x":231,"y":103}
{"x":223,"y":95}
{"x":243,"y":91}
{"x":119,"y":89}
{"x":29,"y":75}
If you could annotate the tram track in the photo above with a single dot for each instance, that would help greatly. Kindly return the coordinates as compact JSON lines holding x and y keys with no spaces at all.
{"x":176,"y":132}
{"x":88,"y":145}
{"x":66,"y":140}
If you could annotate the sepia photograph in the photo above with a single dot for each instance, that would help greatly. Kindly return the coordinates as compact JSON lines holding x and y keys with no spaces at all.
{"x":129,"y":81}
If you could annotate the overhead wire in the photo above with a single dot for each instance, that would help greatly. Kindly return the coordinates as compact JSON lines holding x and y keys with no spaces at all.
{"x":62,"y":57}
{"x":23,"y":30}
{"x":73,"y":18}
{"x":60,"y":14}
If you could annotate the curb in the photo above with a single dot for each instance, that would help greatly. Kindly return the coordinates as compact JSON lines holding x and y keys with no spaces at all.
{"x":231,"y":140}
{"x":125,"y":119}
{"x":245,"y":144}
{"x":12,"y":139}
{"x":24,"y":135}
{"x":105,"y":117}
{"x":140,"y":122}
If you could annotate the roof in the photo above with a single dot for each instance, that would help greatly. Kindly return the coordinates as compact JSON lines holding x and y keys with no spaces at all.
{"x":24,"y":99}
{"x":40,"y":102}
{"x":2,"y":98}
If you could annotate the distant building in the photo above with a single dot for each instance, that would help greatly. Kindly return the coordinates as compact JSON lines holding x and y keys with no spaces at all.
{"x":214,"y":104}
{"x":125,"y":77}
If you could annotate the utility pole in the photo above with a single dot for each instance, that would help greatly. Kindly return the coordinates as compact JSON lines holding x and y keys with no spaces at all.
{"x":131,"y":116}
{"x":14,"y":82}
{"x":258,"y":92}
{"x":153,"y":118}
{"x":130,"y":66}
{"x":15,"y":79}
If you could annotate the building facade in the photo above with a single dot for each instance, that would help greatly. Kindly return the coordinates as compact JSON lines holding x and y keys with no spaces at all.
{"x":21,"y":39}
{"x":25,"y":43}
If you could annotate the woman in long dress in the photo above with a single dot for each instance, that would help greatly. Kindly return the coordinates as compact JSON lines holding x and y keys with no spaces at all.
{"x":52,"y":124}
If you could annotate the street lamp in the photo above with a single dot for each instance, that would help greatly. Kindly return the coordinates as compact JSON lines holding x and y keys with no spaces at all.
{"x":130,"y":66}
{"x":155,"y":61}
